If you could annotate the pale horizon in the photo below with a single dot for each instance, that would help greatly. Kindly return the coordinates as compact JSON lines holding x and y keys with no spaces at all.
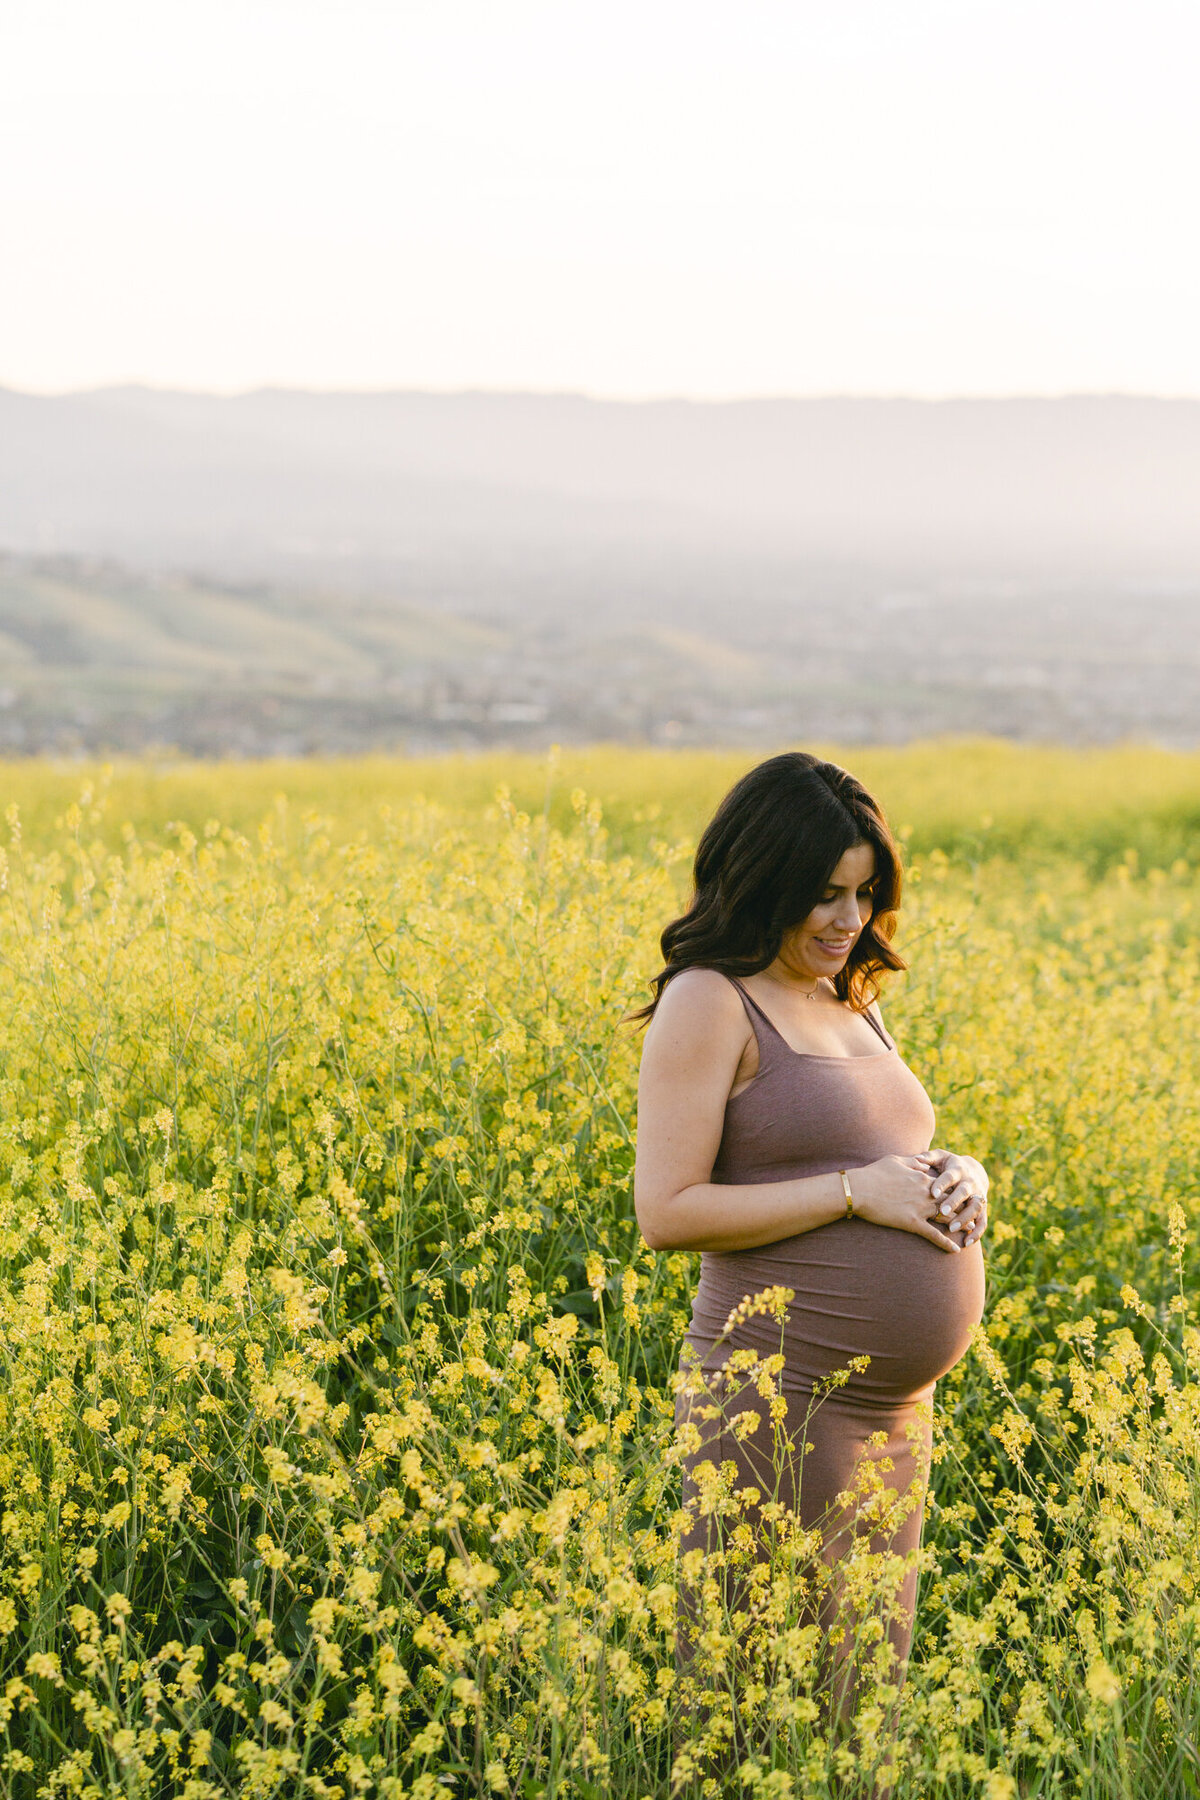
{"x":633,"y":202}
{"x":672,"y":397}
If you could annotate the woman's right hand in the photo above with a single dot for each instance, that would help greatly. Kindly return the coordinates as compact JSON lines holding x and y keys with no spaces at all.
{"x":895,"y":1191}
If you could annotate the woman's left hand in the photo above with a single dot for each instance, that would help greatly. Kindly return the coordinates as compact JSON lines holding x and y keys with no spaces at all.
{"x":960,"y":1188}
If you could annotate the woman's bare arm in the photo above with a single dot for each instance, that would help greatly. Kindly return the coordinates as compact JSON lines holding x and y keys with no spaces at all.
{"x":690,"y":1055}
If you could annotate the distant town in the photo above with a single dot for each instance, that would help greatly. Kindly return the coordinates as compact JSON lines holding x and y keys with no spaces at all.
{"x":96,"y":658}
{"x":282,"y":573}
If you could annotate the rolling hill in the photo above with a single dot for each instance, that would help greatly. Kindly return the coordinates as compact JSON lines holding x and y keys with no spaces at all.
{"x":310,"y":572}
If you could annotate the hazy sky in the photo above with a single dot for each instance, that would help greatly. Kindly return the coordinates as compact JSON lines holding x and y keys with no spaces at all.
{"x":621,"y":197}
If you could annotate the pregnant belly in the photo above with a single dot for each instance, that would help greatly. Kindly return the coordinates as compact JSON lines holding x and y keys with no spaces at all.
{"x":861,"y":1289}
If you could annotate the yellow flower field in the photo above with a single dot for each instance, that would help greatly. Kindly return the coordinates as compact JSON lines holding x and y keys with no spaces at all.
{"x":336,"y":1411}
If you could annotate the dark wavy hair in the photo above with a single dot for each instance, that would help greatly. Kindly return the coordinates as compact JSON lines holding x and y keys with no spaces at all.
{"x":762,"y":864}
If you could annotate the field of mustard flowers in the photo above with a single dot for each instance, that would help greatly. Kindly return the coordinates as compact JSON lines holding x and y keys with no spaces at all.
{"x":336,"y":1401}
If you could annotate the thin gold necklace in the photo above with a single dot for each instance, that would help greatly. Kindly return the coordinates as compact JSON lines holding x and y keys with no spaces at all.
{"x":809,"y":993}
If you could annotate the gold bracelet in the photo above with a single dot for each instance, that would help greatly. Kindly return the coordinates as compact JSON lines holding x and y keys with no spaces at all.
{"x":850,"y":1213}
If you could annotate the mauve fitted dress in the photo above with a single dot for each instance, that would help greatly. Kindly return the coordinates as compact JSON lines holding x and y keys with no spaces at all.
{"x":859,"y":1288}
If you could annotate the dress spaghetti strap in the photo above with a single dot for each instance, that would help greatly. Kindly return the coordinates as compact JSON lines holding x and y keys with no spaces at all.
{"x":873,"y":1021}
{"x":752,"y":1007}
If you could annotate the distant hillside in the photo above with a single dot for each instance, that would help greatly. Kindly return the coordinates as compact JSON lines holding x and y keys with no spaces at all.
{"x":292,"y":572}
{"x":97,"y":656}
{"x":71,"y":612}
{"x":503,"y":503}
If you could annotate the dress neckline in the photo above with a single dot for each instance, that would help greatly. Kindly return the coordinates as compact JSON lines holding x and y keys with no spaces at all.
{"x":809,"y":1055}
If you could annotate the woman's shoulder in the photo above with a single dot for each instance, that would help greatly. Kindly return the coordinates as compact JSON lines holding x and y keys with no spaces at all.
{"x":700,"y":996}
{"x":699,"y":1031}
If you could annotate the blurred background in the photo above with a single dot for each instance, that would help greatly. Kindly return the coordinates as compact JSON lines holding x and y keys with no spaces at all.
{"x":432,"y":377}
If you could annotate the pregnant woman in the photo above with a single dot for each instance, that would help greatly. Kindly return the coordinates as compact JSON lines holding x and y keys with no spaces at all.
{"x":781,"y":1134}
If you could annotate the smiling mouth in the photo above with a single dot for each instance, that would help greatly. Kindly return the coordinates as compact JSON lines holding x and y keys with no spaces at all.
{"x":842,"y":944}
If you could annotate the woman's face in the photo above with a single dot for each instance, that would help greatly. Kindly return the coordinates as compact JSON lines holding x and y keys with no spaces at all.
{"x":823,"y":941}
